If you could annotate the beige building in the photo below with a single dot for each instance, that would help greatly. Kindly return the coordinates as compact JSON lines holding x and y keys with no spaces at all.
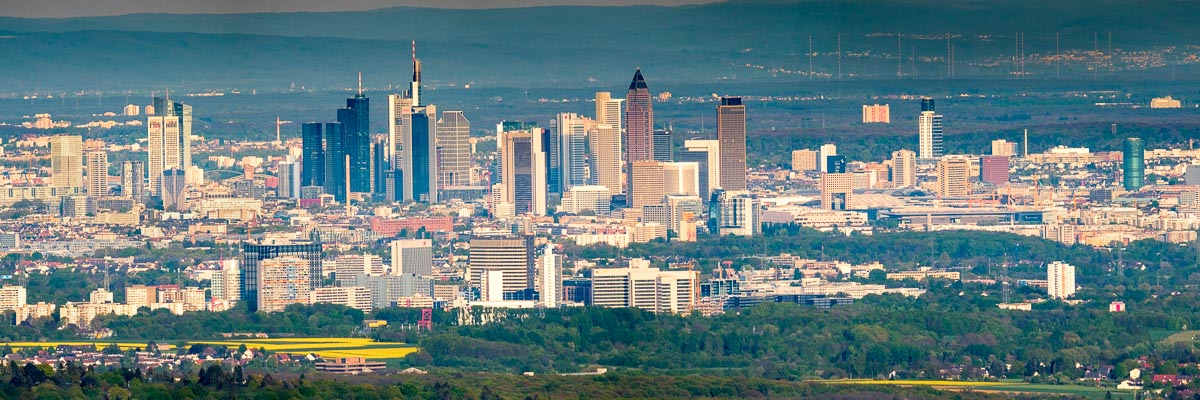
{"x":804,"y":160}
{"x":66,"y":161}
{"x":837,"y":191}
{"x":606,"y":143}
{"x":356,"y":297}
{"x":1164,"y":102}
{"x":283,"y":281}
{"x":681,"y":178}
{"x":953,"y":177}
{"x":97,"y":173}
{"x":1001,"y":147}
{"x":579,"y":199}
{"x":12,"y":297}
{"x":876,"y":114}
{"x":647,"y":183}
{"x":904,"y":168}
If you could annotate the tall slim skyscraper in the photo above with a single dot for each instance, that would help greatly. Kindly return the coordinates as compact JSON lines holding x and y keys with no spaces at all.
{"x":639,"y":121}
{"x":929,"y":132}
{"x":66,"y":161}
{"x":420,"y":172}
{"x":1060,"y":280}
{"x":572,"y":145}
{"x":663,"y":150}
{"x":169,"y":145}
{"x":524,"y":168}
{"x":133,"y":180}
{"x":356,"y":140}
{"x":606,"y":143}
{"x":335,"y":164}
{"x":731,"y":133}
{"x":1134,"y":163}
{"x":453,"y":150}
{"x":97,"y":169}
{"x":313,"y":153}
{"x":173,"y":182}
{"x":289,"y":179}
{"x":827,"y":150}
{"x":904,"y":168}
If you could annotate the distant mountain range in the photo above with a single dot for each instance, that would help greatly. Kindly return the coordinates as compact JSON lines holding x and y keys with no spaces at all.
{"x":571,"y":46}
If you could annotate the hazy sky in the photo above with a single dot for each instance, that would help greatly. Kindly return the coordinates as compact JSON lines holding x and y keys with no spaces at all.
{"x":80,"y":8}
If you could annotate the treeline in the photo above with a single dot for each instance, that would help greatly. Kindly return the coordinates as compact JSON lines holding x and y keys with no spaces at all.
{"x":73,"y":381}
{"x":874,"y":338}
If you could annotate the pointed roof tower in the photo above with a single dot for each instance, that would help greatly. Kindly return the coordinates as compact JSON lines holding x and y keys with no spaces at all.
{"x":638,"y":81}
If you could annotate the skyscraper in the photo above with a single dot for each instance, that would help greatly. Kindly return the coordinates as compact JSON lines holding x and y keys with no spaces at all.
{"x":289,"y":180}
{"x":66,"y":161}
{"x":254,"y":254}
{"x":1134,"y":163}
{"x":512,"y":257}
{"x":647,"y":183}
{"x":572,"y":145}
{"x":133,"y":180}
{"x":335,"y":160}
{"x":731,"y":133}
{"x":173,"y":182}
{"x":313,"y":161}
{"x":281,"y":282}
{"x":639,"y":122}
{"x":681,"y":178}
{"x":708,"y":154}
{"x":169,"y":145}
{"x":904,"y":168}
{"x":606,"y":143}
{"x":420,"y":158}
{"x":835,"y":164}
{"x":929,"y":131}
{"x":97,"y":169}
{"x":663,"y":149}
{"x":356,"y":140}
{"x":453,"y":150}
{"x":549,"y":272}
{"x":953,"y":177}
{"x":524,"y":169}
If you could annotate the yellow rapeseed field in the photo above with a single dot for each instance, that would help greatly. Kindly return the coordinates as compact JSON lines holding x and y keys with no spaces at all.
{"x":324,"y":347}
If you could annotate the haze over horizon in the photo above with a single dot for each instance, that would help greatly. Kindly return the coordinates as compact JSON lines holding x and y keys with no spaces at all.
{"x":104,"y":8}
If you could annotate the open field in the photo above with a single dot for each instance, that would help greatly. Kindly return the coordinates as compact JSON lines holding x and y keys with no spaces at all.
{"x":998,"y":387}
{"x":325,"y":347}
{"x":1181,"y":337}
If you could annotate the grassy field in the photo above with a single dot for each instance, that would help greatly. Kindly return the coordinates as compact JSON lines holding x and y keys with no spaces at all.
{"x":325,"y":347}
{"x":1179,"y":337}
{"x":1005,"y":387}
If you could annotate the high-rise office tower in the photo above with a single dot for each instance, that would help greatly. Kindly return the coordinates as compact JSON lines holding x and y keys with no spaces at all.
{"x":97,"y":170}
{"x":253,"y":254}
{"x":572,"y":147}
{"x":335,"y":160}
{"x":835,"y":164}
{"x":1134,"y":163}
{"x":133,"y":180}
{"x":66,"y":161}
{"x":737,"y":213}
{"x":173,"y":182}
{"x":827,"y":150}
{"x":512,"y":257}
{"x":313,"y":153}
{"x":412,"y":256}
{"x":289,"y":179}
{"x":994,"y":169}
{"x":708,"y":154}
{"x":904,"y":168}
{"x":1060,"y":280}
{"x":663,"y":149}
{"x":169,"y":146}
{"x":356,"y":140}
{"x":647,"y":183}
{"x":681,"y":178}
{"x":380,"y":166}
{"x":639,"y":122}
{"x":606,"y":144}
{"x":453,"y":150}
{"x":524,"y":168}
{"x":953,"y":176}
{"x":420,"y":157}
{"x":731,"y":133}
{"x":550,"y":145}
{"x":837,"y":190}
{"x":929,"y":131}
{"x":804,"y":160}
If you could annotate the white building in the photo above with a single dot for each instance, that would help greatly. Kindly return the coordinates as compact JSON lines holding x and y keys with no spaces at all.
{"x":647,"y":288}
{"x":412,"y":256}
{"x":356,"y":297}
{"x":594,"y":198}
{"x":1060,"y":280}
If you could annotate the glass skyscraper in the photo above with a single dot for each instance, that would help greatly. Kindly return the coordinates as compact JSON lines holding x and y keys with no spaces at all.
{"x":1134,"y":163}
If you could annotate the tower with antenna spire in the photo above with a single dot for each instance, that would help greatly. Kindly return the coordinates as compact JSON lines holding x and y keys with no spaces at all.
{"x":414,"y":89}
